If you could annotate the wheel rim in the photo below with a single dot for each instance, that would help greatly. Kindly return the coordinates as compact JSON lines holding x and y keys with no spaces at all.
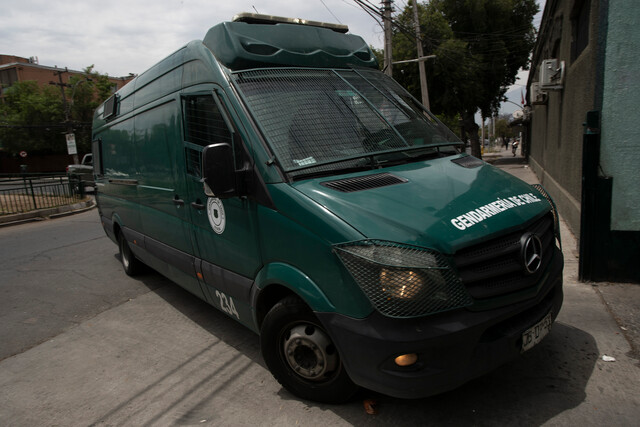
{"x":309,"y":352}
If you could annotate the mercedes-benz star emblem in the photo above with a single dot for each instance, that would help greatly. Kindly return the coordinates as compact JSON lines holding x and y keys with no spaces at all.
{"x":531,"y":252}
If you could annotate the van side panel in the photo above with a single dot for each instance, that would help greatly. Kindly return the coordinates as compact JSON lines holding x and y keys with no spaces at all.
{"x":119,"y":192}
{"x":158,"y":143}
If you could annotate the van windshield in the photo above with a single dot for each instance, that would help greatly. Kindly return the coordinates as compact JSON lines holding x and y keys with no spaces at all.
{"x":319,"y":121}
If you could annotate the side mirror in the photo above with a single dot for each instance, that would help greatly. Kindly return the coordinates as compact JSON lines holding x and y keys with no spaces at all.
{"x":218,"y":171}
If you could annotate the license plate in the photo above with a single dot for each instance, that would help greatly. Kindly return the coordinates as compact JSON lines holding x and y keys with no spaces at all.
{"x":534,"y":334}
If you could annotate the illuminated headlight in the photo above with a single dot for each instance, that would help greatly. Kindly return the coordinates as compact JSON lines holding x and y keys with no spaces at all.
{"x":401,"y":284}
{"x":407,"y":284}
{"x":402,"y":280}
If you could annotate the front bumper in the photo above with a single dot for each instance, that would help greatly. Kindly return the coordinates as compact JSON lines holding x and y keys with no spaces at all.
{"x":453,"y":347}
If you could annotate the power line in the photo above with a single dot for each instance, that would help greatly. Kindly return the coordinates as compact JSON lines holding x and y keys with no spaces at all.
{"x":332,"y":14}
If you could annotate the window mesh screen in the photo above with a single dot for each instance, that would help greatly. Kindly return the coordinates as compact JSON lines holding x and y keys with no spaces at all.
{"x":204,"y":125}
{"x":314,"y":117}
{"x":320,"y":120}
{"x":399,"y":108}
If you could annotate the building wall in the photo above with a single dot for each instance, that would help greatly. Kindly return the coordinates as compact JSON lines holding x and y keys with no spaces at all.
{"x":557,"y":124}
{"x":8,"y":59}
{"x":620,"y":131}
{"x":42,"y":74}
{"x":601,"y":78}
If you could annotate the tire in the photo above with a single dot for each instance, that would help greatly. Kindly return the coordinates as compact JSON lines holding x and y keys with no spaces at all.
{"x":301,"y":356}
{"x":130,"y":263}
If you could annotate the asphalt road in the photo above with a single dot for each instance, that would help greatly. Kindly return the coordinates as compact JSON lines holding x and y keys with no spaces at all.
{"x":83,"y":344}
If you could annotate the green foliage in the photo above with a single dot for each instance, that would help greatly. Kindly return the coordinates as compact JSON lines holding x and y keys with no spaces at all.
{"x":379,"y":54}
{"x":29,"y":118}
{"x":34,"y":118}
{"x":479,"y":45}
{"x":502,"y":126}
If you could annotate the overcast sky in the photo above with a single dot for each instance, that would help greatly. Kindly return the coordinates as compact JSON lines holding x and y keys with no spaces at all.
{"x":121,"y":37}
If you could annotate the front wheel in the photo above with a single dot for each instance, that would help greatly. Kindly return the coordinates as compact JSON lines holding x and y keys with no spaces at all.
{"x":301,"y":355}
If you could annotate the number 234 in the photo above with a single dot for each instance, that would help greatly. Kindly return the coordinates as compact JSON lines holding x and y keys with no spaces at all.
{"x":227,"y":305}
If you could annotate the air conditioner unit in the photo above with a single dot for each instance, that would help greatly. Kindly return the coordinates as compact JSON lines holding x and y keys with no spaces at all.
{"x":551,"y":74}
{"x":536,"y":94}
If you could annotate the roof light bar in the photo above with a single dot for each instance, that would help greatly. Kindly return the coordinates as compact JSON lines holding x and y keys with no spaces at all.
{"x":256,"y":18}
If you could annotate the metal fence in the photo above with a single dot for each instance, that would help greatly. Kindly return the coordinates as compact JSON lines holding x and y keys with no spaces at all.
{"x":23,"y":193}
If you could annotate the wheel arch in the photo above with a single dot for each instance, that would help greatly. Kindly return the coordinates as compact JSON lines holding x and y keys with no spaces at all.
{"x":277,"y":281}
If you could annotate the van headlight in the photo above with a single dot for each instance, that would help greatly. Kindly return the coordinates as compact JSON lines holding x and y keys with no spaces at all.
{"x":403,"y":280}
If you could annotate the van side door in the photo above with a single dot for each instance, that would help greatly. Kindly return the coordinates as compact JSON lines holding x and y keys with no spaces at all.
{"x":161,"y":192}
{"x":224,"y":231}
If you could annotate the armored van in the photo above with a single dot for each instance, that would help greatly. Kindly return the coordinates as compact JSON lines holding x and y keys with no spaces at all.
{"x":273,"y":171}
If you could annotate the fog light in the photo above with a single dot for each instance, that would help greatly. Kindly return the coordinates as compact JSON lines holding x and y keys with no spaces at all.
{"x":406,"y":359}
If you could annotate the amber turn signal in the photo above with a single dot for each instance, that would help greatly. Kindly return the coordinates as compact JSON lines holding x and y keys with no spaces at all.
{"x":406,"y":359}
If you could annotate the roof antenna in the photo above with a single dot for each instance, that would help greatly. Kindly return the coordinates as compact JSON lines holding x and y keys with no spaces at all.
{"x":254,"y":8}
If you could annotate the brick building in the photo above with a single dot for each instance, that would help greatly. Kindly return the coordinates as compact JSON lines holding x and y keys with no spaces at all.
{"x":17,"y":69}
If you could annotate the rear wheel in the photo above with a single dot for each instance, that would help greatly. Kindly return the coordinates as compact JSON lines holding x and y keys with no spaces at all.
{"x":301,"y":355}
{"x":130,"y":263}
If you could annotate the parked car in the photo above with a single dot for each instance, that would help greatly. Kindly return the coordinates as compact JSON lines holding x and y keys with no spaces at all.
{"x":82,"y":172}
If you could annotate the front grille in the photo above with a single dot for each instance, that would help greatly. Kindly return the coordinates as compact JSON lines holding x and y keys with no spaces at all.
{"x":496,"y":267}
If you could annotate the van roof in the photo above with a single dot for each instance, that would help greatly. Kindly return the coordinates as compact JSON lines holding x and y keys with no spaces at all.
{"x":255,"y":41}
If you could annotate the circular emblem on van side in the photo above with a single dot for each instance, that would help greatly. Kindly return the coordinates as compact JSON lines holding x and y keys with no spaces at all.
{"x":531,"y":250}
{"x":215,"y":211}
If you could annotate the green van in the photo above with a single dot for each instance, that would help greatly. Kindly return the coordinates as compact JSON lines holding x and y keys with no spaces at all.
{"x":274,"y":172}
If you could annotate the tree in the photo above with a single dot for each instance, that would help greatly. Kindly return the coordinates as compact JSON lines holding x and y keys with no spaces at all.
{"x":30,"y":119}
{"x":33,"y":118}
{"x":502,"y":126}
{"x":479,"y":45}
{"x":85,"y":93}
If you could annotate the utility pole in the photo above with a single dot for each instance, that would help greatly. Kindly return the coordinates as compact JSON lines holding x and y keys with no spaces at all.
{"x":388,"y":53}
{"x":482,"y":136}
{"x":423,"y":75}
{"x":67,"y":112}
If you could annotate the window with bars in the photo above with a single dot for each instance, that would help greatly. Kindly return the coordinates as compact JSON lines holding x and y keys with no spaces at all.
{"x":204,"y":125}
{"x":335,"y":119}
{"x":580,"y":27}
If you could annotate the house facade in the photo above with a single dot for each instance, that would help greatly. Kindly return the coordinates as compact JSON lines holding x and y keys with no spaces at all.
{"x":583,"y":133}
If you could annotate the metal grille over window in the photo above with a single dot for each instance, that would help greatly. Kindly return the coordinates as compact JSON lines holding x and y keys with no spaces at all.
{"x":313,"y":117}
{"x":204,"y":126}
{"x":401,"y":280}
{"x":328,"y":119}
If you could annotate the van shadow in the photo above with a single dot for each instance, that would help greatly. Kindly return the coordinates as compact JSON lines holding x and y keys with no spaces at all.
{"x":544,"y":382}
{"x":202,"y":313}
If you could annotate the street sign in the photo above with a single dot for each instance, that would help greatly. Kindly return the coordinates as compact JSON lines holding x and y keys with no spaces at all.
{"x":23,"y":154}
{"x":71,"y":143}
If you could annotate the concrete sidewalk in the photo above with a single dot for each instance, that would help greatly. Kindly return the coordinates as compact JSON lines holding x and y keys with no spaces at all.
{"x":622,"y":300}
{"x":48,"y":213}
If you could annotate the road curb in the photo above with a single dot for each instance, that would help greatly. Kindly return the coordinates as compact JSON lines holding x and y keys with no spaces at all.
{"x":49,"y":213}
